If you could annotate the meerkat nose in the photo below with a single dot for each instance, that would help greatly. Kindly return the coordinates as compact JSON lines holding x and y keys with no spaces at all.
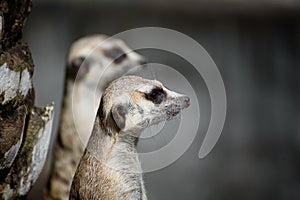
{"x":185,"y":101}
{"x":143,"y":61}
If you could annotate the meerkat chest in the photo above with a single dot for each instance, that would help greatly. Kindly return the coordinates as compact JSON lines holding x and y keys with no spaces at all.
{"x":105,"y":182}
{"x":85,"y":103}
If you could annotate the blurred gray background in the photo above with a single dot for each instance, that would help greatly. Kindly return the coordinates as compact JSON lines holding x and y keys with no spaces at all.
{"x":256,"y":46}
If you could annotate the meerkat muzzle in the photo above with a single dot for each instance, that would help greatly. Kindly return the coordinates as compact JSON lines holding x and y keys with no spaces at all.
{"x":185,"y":101}
{"x":176,"y":106}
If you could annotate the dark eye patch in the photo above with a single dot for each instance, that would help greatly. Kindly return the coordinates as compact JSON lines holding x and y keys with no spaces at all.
{"x":78,"y":67}
{"x":157,"y":95}
{"x":116,"y":54}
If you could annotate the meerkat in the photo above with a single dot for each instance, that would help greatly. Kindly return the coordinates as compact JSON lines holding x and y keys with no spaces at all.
{"x":87,"y":61}
{"x":110,"y":168}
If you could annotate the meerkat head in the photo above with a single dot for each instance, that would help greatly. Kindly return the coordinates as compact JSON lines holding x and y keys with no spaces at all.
{"x":131,"y":104}
{"x":97,"y":56}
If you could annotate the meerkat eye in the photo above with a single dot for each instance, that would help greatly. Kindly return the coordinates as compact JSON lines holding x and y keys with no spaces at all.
{"x":117,"y":54}
{"x":157,"y":95}
{"x":120,"y":58}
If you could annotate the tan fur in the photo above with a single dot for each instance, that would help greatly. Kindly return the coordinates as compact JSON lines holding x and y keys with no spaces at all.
{"x":97,"y":180}
{"x":110,"y":168}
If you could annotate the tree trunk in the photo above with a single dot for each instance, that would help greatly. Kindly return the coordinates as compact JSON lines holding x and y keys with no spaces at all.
{"x":24,"y":129}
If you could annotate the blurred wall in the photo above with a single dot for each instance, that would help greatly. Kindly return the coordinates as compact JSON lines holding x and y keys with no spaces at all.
{"x":257,"y":50}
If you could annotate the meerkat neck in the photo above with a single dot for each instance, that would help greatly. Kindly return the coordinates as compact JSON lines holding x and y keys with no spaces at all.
{"x":82,"y":102}
{"x":117,"y":157}
{"x":123,"y":155}
{"x":116,"y":150}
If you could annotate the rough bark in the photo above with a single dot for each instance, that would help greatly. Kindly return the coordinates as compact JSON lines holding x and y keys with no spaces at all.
{"x":24,"y":129}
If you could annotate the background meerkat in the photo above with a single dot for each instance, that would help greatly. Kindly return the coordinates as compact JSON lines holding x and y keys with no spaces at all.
{"x":87,"y":61}
{"x":110,"y":168}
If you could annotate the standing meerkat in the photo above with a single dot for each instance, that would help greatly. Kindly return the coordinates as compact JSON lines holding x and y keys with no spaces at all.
{"x":87,"y":61}
{"x":110,"y":168}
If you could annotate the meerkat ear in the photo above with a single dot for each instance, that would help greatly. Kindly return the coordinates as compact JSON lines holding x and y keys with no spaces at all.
{"x":119,"y":112}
